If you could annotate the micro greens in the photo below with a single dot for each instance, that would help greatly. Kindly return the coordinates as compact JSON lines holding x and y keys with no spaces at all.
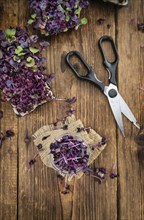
{"x":22,"y":78}
{"x":69,"y":154}
{"x":53,"y":17}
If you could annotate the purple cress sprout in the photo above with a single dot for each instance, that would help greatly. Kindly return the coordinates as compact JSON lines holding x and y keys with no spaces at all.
{"x":22,"y":78}
{"x":56,"y":16}
{"x":69,"y":154}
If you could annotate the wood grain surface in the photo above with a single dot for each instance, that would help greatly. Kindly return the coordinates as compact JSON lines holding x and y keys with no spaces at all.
{"x":34,"y":194}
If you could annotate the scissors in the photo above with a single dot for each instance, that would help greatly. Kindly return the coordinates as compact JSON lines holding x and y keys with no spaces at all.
{"x":117,"y":103}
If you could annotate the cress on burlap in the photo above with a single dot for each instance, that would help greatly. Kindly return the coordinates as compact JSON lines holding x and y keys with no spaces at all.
{"x":48,"y":134}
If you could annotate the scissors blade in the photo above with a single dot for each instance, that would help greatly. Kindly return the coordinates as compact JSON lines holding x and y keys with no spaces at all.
{"x":115,"y":106}
{"x":127,"y":112}
{"x":116,"y":109}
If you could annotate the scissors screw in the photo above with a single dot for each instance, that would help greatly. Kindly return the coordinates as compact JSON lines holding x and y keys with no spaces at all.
{"x":112,"y":93}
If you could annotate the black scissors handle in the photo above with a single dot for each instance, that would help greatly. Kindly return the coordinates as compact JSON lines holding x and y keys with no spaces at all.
{"x":110,"y":66}
{"x":90,"y":76}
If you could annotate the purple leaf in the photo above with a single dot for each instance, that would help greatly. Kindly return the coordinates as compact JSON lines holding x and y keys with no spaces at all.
{"x":32,"y":162}
{"x":65,"y":127}
{"x":39,"y":146}
{"x":44,"y":44}
{"x":9,"y":133}
{"x":84,"y":129}
{"x":64,"y":192}
{"x":34,"y":38}
{"x":101,"y":21}
{"x":113,"y":175}
{"x":100,"y":143}
{"x":140,"y":27}
{"x":71,"y":100}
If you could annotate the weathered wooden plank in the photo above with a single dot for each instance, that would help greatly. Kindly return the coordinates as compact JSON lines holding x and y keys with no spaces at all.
{"x":130,"y":41}
{"x":38,"y":188}
{"x":39,"y":196}
{"x":90,"y":199}
{"x":8,"y":152}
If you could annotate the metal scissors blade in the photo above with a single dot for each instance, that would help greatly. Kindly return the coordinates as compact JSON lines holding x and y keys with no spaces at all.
{"x":119,"y":106}
{"x":115,"y":106}
{"x":127,"y":112}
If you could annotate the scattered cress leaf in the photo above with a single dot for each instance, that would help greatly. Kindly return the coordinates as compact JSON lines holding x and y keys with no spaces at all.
{"x":30,"y":21}
{"x":83,"y":21}
{"x":33,"y":16}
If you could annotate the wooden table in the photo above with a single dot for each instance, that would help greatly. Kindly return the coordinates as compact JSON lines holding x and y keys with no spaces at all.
{"x":35,"y":193}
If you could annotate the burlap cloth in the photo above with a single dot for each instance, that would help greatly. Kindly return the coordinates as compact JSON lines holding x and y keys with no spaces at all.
{"x":48,"y":134}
